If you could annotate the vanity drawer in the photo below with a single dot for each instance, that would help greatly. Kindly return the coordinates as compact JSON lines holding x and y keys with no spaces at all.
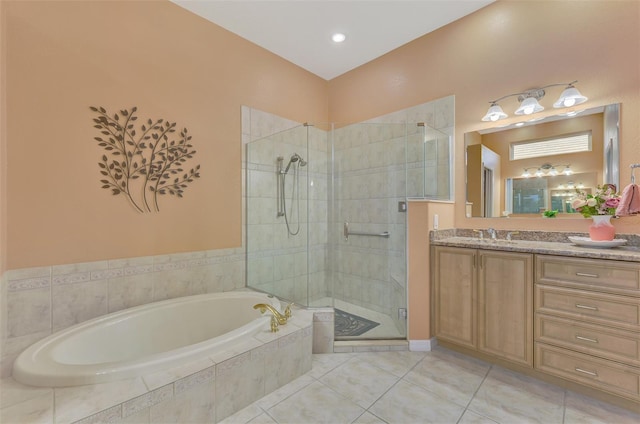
{"x":599,"y":308}
{"x":599,"y":373}
{"x":596,"y":274}
{"x":608,"y":343}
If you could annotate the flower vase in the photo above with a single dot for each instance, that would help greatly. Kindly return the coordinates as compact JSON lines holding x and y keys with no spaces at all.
{"x":601,"y":228}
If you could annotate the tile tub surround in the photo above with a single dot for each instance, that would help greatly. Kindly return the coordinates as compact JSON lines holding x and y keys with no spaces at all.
{"x":37,"y":302}
{"x":205,"y":390}
{"x":553,"y":243}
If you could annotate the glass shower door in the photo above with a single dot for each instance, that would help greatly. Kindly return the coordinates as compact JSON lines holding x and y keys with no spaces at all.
{"x":277,"y":230}
{"x":368,"y":231}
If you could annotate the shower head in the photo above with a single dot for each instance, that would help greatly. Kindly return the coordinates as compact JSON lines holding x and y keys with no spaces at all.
{"x":294,"y":158}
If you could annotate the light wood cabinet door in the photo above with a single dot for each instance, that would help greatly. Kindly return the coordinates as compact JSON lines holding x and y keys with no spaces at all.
{"x":455,"y":295}
{"x":505,"y":305}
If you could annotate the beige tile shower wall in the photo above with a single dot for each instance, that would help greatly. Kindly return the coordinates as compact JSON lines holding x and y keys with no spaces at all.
{"x":279,"y":263}
{"x":40,"y":301}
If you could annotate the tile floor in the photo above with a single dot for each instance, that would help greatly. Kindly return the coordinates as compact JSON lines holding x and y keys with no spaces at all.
{"x":422,"y":387}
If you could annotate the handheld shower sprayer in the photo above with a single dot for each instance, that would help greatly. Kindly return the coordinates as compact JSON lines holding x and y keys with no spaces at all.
{"x":294,"y":158}
{"x":295,"y":193}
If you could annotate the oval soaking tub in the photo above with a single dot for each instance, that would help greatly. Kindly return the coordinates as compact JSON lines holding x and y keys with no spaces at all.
{"x":143,"y":339}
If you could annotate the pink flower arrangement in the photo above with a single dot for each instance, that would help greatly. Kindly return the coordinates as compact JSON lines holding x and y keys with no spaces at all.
{"x":603,"y":202}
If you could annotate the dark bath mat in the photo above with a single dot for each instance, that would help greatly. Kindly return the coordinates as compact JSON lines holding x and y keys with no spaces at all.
{"x":347,"y":324}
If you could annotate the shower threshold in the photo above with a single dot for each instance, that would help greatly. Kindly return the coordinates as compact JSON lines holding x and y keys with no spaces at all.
{"x":348,"y":346}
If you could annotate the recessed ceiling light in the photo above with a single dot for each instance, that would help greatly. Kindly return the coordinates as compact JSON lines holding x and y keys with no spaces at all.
{"x":338,"y":37}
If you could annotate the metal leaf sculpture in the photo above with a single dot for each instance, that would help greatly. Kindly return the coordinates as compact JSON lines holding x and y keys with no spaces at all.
{"x":145,"y":160}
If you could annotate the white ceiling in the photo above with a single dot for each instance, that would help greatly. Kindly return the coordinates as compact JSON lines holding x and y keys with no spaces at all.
{"x":300,"y":30}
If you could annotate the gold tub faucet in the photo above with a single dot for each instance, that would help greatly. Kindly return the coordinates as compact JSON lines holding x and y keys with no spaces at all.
{"x":280,"y":318}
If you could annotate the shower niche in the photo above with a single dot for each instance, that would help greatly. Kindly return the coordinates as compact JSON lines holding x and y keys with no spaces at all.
{"x":304,"y":183}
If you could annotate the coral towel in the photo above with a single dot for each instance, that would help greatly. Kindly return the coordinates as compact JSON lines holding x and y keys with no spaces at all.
{"x":630,"y":201}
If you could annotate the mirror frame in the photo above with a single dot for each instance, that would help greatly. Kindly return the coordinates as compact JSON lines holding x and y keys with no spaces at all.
{"x":611,"y":148}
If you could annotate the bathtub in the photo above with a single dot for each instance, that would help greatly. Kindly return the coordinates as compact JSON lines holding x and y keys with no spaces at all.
{"x":143,"y":339}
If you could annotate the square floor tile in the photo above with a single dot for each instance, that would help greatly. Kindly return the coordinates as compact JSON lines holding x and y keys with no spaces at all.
{"x":470,"y":417}
{"x":407,"y":403}
{"x":314,"y":404}
{"x":581,"y":409}
{"x":359,"y":381}
{"x":325,"y":362}
{"x":509,"y":397}
{"x":368,"y":418}
{"x":397,"y":363}
{"x":450,"y":375}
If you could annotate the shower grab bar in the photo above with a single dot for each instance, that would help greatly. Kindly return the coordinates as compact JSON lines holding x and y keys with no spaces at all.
{"x":347,"y":233}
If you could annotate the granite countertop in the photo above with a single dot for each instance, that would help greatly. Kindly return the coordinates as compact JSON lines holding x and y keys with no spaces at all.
{"x":538,"y":242}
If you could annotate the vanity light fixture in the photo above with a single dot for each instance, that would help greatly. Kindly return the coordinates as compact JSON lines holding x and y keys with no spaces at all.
{"x":547,"y":169}
{"x":529,"y":101}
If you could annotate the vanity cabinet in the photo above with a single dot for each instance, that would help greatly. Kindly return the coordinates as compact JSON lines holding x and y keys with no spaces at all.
{"x":587,"y":322}
{"x":455,"y":295}
{"x":483,"y":300}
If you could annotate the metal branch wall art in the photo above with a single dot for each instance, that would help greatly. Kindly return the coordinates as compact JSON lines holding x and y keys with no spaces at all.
{"x":143,"y":162}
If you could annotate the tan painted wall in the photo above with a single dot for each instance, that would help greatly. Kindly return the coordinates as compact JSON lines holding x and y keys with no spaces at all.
{"x":3,"y":144}
{"x":420,"y":216}
{"x":62,"y":57}
{"x":506,"y":47}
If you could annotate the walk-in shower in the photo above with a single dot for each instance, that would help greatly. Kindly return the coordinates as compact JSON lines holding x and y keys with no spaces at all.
{"x":281,"y":174}
{"x":311,"y":180}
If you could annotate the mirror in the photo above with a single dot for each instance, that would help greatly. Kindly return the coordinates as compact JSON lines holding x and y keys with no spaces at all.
{"x":520,"y":170}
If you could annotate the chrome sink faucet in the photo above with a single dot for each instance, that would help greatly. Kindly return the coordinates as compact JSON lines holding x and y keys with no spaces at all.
{"x":492,"y":232}
{"x":512,"y":233}
{"x":480,"y":234}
